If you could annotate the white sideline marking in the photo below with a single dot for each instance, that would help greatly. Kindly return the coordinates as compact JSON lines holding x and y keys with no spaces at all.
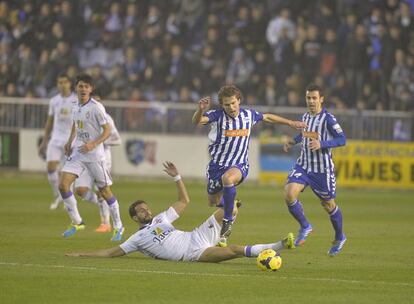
{"x":206,"y":274}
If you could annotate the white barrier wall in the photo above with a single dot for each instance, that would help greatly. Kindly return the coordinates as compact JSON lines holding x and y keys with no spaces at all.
{"x":143,"y":154}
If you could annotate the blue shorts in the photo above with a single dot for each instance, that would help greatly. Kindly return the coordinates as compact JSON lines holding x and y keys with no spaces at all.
{"x":322,"y":184}
{"x":215,"y":172}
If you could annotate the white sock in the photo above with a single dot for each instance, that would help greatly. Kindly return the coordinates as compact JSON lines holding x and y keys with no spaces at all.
{"x":254,"y":250}
{"x":53,"y":178}
{"x":72,"y":208}
{"x":104,"y":211}
{"x":114,"y":209}
{"x":91,"y":196}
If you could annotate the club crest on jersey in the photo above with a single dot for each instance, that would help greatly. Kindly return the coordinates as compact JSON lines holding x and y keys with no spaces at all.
{"x":138,"y":150}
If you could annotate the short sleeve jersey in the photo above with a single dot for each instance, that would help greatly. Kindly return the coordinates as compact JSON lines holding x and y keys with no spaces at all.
{"x":159,"y":239}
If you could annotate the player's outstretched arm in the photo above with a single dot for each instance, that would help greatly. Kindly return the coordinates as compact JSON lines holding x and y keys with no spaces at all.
{"x":183,"y":198}
{"x":101,"y":253}
{"x":203,"y":106}
{"x":273,"y":118}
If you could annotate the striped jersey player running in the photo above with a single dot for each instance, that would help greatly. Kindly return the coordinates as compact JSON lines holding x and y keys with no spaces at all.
{"x":229,"y":136}
{"x":315,"y":167}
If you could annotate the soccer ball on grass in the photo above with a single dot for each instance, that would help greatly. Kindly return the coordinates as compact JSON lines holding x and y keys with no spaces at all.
{"x":269,"y":260}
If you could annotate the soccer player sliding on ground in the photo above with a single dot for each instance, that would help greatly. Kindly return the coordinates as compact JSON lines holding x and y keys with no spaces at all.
{"x":158,"y":238}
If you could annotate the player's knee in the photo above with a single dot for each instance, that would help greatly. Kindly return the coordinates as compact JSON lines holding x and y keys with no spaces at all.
{"x":229,"y":179}
{"x":63,"y":186}
{"x":81,"y":191}
{"x":329,"y":206}
{"x":290,"y":196}
{"x":106,"y":192}
{"x":51,"y":167}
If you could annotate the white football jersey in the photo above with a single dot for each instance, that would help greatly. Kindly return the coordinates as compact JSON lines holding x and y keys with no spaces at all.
{"x":61,"y":109}
{"x":88,"y":119}
{"x":159,"y":239}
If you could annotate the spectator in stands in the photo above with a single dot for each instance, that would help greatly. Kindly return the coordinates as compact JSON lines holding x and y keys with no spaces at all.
{"x":364,"y":35}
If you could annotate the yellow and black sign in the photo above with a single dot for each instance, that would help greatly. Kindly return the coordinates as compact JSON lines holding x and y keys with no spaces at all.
{"x":375,"y":164}
{"x":365,"y":164}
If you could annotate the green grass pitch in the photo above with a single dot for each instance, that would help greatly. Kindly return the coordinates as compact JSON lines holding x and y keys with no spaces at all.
{"x":376,"y":265}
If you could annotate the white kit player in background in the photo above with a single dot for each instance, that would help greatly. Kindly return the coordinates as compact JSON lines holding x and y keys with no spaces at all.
{"x":56,"y":132}
{"x":158,"y":238}
{"x":84,"y":184}
{"x":85,"y":152}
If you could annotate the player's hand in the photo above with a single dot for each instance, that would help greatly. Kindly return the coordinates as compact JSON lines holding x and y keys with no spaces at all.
{"x":42,"y":150}
{"x":170,"y":169}
{"x":89,"y":146}
{"x":204,"y":103}
{"x":298,"y":125}
{"x":288,"y":145}
{"x":68,"y":149}
{"x":314,"y":144}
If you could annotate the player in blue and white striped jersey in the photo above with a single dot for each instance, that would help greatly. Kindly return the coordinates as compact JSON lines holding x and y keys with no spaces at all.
{"x":230,"y":130}
{"x":315,"y":167}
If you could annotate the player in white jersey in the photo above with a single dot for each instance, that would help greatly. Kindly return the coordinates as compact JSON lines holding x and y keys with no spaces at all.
{"x":315,"y":167}
{"x":84,"y":184}
{"x":229,"y":143}
{"x":158,"y":238}
{"x":85,"y":151}
{"x":56,"y":133}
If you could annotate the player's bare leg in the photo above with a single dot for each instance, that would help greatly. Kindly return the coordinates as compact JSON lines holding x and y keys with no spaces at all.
{"x":53,"y":178}
{"x":215,"y":200}
{"x":292,"y":191}
{"x":114,"y":210}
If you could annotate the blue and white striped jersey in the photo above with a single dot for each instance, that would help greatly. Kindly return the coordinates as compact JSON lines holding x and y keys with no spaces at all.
{"x":324,"y":127}
{"x":230,"y":137}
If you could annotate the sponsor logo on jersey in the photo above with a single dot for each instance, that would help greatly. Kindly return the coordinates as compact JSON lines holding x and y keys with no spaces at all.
{"x":236,"y":133}
{"x":160,"y":234}
{"x":307,"y":134}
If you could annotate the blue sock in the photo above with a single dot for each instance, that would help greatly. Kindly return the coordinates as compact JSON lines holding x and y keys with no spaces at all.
{"x":296,"y":210}
{"x":336,"y":220}
{"x":229,"y":194}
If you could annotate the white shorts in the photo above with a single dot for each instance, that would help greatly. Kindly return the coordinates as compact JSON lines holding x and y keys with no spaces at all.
{"x":84,"y":180}
{"x":205,"y":236}
{"x":96,"y":170}
{"x":55,"y":152}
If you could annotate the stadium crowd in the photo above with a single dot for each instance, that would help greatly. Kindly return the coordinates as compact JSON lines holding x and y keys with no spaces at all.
{"x":362,"y":52}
